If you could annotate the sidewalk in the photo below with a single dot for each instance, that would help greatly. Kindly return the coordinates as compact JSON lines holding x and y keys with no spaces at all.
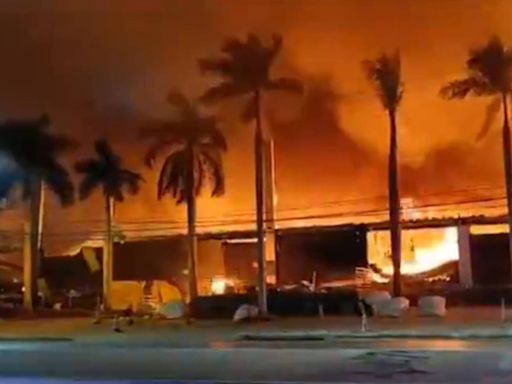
{"x":468,"y":322}
{"x":459,"y":323}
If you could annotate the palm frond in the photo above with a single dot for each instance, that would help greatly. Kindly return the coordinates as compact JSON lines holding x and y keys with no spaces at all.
{"x":115,"y":193}
{"x":244,"y":66}
{"x":178,"y":182}
{"x":198,"y":175}
{"x":209,"y":135}
{"x":493,"y":61}
{"x":56,"y":177}
{"x":384,"y":73}
{"x":106,"y":170}
{"x":87,"y":166}
{"x":459,"y":89}
{"x":105,"y":152}
{"x":216,"y":66}
{"x":132,"y":180}
{"x":213,"y":163}
{"x":35,"y":150}
{"x":239,"y":49}
{"x":492,"y":110}
{"x":87,"y":186}
{"x":165,"y":136}
{"x":488,"y":72}
{"x":231,"y":45}
{"x":157,"y":147}
{"x":191,"y":130}
{"x":171,"y":179}
{"x":222,"y":91}
{"x":285,"y":84}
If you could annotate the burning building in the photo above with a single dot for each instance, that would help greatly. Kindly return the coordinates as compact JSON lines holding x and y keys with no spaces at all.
{"x":330,"y":144}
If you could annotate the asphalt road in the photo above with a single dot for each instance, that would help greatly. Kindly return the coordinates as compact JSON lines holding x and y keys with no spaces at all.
{"x":401,"y":361}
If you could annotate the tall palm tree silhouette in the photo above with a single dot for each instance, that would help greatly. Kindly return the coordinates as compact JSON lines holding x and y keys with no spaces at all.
{"x":193,"y":147}
{"x":489,"y":74}
{"x":35,"y":151}
{"x":105,"y":171}
{"x":244,"y":68}
{"x":385,"y":75}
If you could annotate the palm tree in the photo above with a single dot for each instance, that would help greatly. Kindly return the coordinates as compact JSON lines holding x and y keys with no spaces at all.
{"x":35,"y":151}
{"x":489,"y":73}
{"x":244,"y":69}
{"x":193,"y":147}
{"x":106,"y":171}
{"x":385,"y":75}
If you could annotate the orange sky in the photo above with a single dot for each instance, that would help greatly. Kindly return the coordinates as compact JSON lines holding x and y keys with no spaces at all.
{"x":94,"y":65}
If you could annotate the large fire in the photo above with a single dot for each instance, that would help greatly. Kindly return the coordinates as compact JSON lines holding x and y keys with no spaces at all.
{"x":422,"y":249}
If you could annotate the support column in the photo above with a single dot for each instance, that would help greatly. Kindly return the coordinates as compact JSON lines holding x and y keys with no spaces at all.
{"x":465,"y":271}
{"x":28,"y":269}
{"x":108,"y":254}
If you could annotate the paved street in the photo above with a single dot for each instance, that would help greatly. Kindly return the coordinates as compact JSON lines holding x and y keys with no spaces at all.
{"x":489,"y":362}
{"x":213,"y":351}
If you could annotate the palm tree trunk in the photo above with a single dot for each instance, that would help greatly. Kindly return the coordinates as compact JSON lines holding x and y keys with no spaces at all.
{"x":258,"y":165}
{"x":40,"y":224}
{"x":270,"y":208}
{"x":191,"y":222}
{"x":394,"y":206}
{"x":108,"y":254}
{"x":507,"y":166}
{"x":31,"y":260}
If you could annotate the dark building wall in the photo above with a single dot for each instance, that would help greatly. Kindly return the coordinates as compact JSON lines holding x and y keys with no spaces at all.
{"x":164,"y":259}
{"x":333,"y":254}
{"x":71,"y":272}
{"x":490,"y":261}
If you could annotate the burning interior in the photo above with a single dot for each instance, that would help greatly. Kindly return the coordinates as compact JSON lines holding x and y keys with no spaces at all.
{"x":430,"y":253}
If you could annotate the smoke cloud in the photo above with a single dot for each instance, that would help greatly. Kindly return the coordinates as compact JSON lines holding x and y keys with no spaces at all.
{"x":99,"y":68}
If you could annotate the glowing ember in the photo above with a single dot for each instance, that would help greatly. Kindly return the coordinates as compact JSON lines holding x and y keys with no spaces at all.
{"x":422,"y":249}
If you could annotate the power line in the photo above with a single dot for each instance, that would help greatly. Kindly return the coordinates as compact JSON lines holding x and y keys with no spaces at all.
{"x":219,"y":224}
{"x":227,"y":223}
{"x":334,"y":203}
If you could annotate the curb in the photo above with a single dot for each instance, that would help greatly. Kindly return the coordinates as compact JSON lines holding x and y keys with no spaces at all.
{"x":285,"y":336}
{"x":35,"y":339}
{"x":434,"y":335}
{"x":357,"y":335}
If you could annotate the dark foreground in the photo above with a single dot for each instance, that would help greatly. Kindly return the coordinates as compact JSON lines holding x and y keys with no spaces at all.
{"x":433,"y":361}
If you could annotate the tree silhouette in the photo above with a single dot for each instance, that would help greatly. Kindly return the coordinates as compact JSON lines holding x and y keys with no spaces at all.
{"x":35,"y":151}
{"x":244,"y":69}
{"x":385,"y":75}
{"x":489,"y":74}
{"x":193,"y":147}
{"x":106,"y":172}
